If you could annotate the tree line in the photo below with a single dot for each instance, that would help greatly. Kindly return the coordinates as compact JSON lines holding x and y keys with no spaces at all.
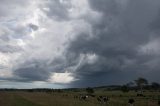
{"x":139,"y":84}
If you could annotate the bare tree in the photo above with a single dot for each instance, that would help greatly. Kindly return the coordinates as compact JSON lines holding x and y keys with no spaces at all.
{"x":140,"y":82}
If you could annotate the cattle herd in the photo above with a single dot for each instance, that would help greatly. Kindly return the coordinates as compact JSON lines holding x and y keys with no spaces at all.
{"x":103,"y":99}
{"x":100,"y":99}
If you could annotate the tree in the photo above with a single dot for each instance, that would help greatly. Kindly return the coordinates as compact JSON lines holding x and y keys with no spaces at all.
{"x":90,"y":90}
{"x":140,"y":82}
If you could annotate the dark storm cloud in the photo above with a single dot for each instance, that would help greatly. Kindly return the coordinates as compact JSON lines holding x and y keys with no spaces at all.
{"x":31,"y":71}
{"x":124,"y":27}
{"x":112,"y":42}
{"x":31,"y":74}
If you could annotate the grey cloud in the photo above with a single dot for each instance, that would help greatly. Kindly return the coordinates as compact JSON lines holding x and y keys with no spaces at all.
{"x":31,"y":70}
{"x":116,"y":40}
{"x":34,"y":27}
{"x":11,"y":29}
{"x":9,"y":48}
{"x":57,"y":10}
{"x":7,"y":44}
{"x":8,"y":7}
{"x":31,"y":74}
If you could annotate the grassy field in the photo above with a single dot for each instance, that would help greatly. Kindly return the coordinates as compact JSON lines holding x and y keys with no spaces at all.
{"x":117,"y":98}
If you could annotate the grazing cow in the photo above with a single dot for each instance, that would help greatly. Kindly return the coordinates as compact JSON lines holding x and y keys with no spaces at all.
{"x":105,"y":99}
{"x":83,"y":97}
{"x":102,"y":99}
{"x":99,"y":100}
{"x":131,"y":102}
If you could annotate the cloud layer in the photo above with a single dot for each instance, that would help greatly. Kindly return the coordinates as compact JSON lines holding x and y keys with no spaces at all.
{"x":86,"y":43}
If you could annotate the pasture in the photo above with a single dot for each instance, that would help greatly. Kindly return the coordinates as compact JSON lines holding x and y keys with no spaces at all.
{"x":67,"y":98}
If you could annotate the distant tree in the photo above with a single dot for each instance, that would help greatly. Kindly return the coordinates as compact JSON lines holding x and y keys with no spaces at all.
{"x":89,"y":90}
{"x":125,"y":88}
{"x":140,"y":82}
{"x":155,"y":85}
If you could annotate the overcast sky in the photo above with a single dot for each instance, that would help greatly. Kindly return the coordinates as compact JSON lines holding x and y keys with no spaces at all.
{"x":78,"y":43}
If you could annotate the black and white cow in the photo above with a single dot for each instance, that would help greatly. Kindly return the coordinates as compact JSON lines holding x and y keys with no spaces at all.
{"x":83,"y":97}
{"x":102,"y":99}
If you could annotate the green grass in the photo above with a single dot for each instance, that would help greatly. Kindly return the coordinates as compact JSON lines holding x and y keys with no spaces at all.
{"x":19,"y":101}
{"x":117,"y":98}
{"x":13,"y":99}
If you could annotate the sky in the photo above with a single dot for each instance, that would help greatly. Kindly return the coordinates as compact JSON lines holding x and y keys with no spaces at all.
{"x":78,"y":43}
